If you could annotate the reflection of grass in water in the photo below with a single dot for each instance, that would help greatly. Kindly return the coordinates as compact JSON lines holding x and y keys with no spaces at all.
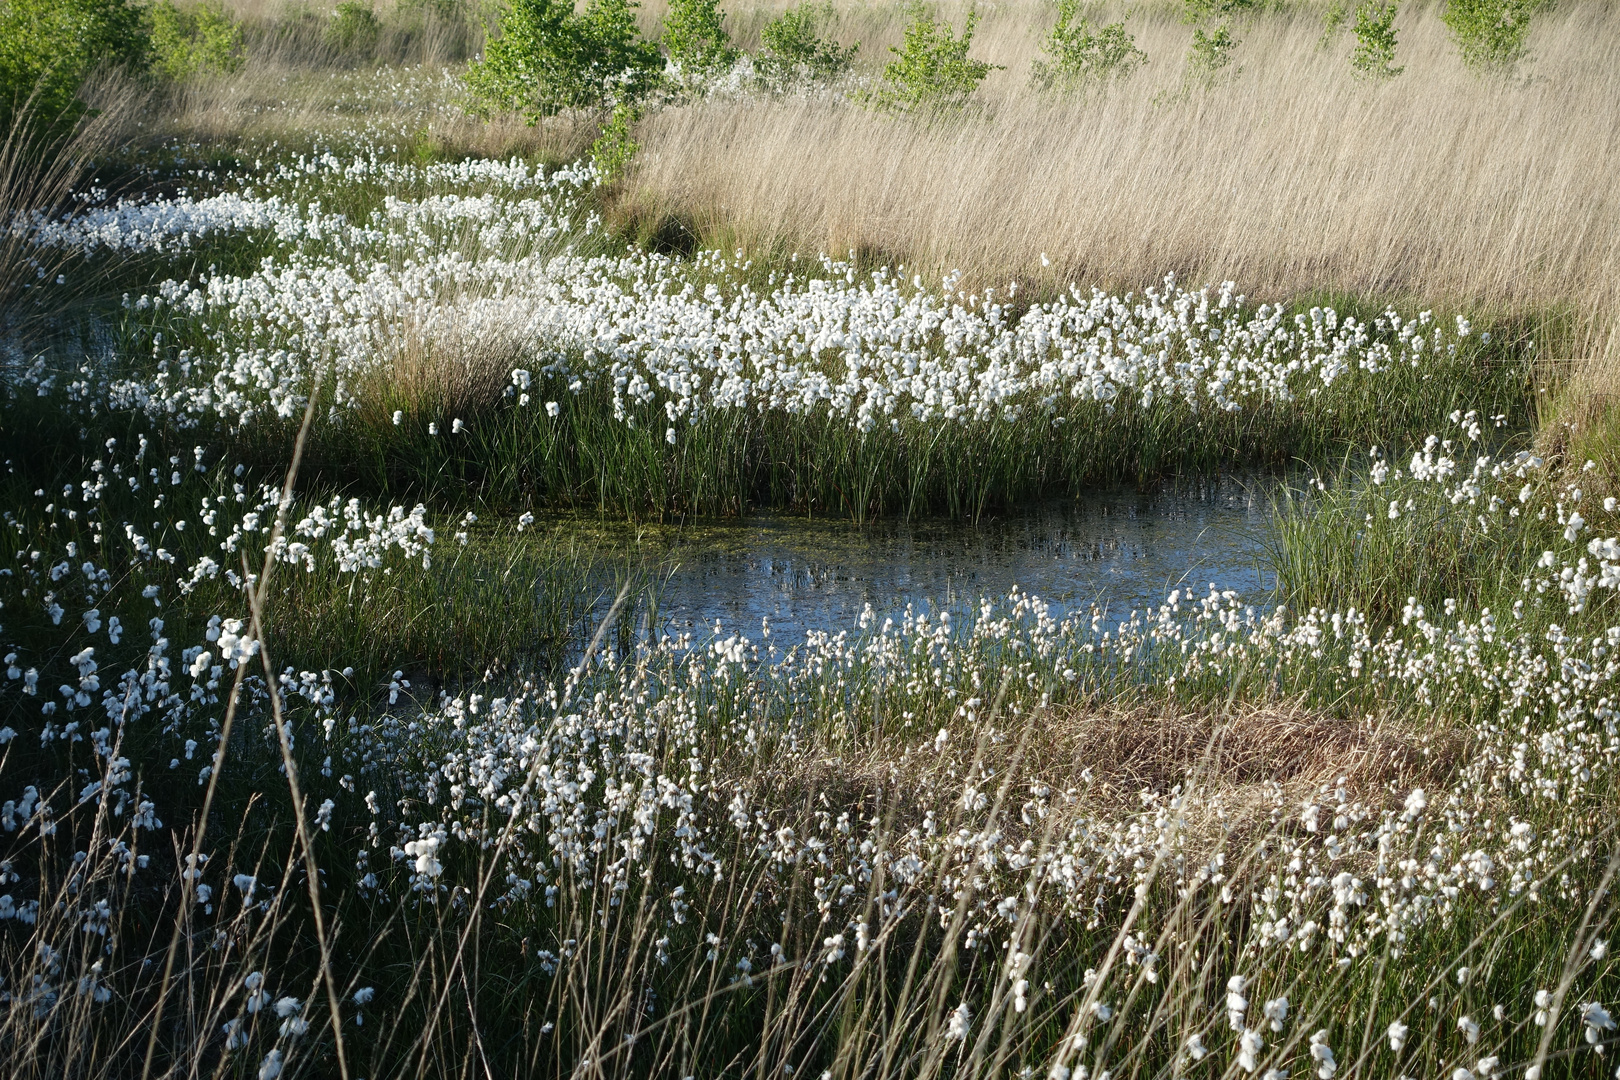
{"x":1114,"y":550}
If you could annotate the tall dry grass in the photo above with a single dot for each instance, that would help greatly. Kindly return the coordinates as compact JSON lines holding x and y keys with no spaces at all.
{"x":1291,"y":178}
{"x":38,"y":175}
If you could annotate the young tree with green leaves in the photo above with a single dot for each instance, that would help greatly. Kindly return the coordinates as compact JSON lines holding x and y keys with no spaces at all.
{"x":794,"y":47}
{"x":1490,"y":34}
{"x":1374,"y":55}
{"x":931,"y":71}
{"x":187,"y":41}
{"x":354,"y":28}
{"x":695,"y":37}
{"x":48,"y":47}
{"x":548,"y":58}
{"x":1209,"y":61}
{"x":1078,"y":55}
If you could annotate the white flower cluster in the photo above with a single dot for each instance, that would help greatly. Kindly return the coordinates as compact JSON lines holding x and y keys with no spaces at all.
{"x":503,"y":267}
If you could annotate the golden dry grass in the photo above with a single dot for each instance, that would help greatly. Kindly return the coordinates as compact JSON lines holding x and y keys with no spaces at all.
{"x":1294,"y":177}
{"x":1236,"y":763}
{"x":278,"y":99}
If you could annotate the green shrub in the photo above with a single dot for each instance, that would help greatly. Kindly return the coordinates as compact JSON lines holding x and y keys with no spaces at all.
{"x":932,"y":71}
{"x":1374,"y":57}
{"x":548,"y":59}
{"x":1332,"y":22}
{"x":47,"y":47}
{"x":1197,"y":11}
{"x":616,"y":146}
{"x":1080,"y":55}
{"x":1490,"y":34}
{"x":695,"y":37}
{"x":1210,"y":57}
{"x":794,"y":48}
{"x":186,"y":42}
{"x":354,"y":27}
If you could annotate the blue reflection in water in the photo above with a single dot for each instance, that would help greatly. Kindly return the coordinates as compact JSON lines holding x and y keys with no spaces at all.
{"x":1120,"y":549}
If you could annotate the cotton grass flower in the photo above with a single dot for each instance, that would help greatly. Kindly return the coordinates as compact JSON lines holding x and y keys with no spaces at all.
{"x":1236,"y":1003}
{"x":1249,"y":1046}
{"x":1322,"y":1055}
{"x":1544,"y":1000}
{"x":1597,"y":1022}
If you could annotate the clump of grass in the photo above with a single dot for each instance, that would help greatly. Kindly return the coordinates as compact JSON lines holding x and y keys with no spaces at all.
{"x":1462,"y":523}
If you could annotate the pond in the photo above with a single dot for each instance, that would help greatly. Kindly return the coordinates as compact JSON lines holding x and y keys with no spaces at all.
{"x":1119,"y":549}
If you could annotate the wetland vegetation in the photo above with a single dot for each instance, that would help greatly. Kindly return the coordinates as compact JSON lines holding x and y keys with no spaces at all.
{"x":847,"y":540}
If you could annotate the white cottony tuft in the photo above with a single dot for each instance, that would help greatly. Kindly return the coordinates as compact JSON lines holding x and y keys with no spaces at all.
{"x":1597,"y":1021}
{"x":1397,"y":1035}
{"x":1236,"y":1003}
{"x":1249,"y":1046}
{"x":1543,"y":1006}
{"x":1322,"y":1054}
{"x":960,"y":1022}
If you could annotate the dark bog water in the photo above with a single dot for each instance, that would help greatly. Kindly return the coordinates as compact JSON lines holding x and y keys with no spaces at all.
{"x":1121,"y":549}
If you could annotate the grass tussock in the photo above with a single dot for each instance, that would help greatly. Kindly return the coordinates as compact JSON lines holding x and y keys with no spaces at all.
{"x":38,"y":177}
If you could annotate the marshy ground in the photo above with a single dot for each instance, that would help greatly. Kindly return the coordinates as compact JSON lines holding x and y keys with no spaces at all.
{"x":842,"y":592}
